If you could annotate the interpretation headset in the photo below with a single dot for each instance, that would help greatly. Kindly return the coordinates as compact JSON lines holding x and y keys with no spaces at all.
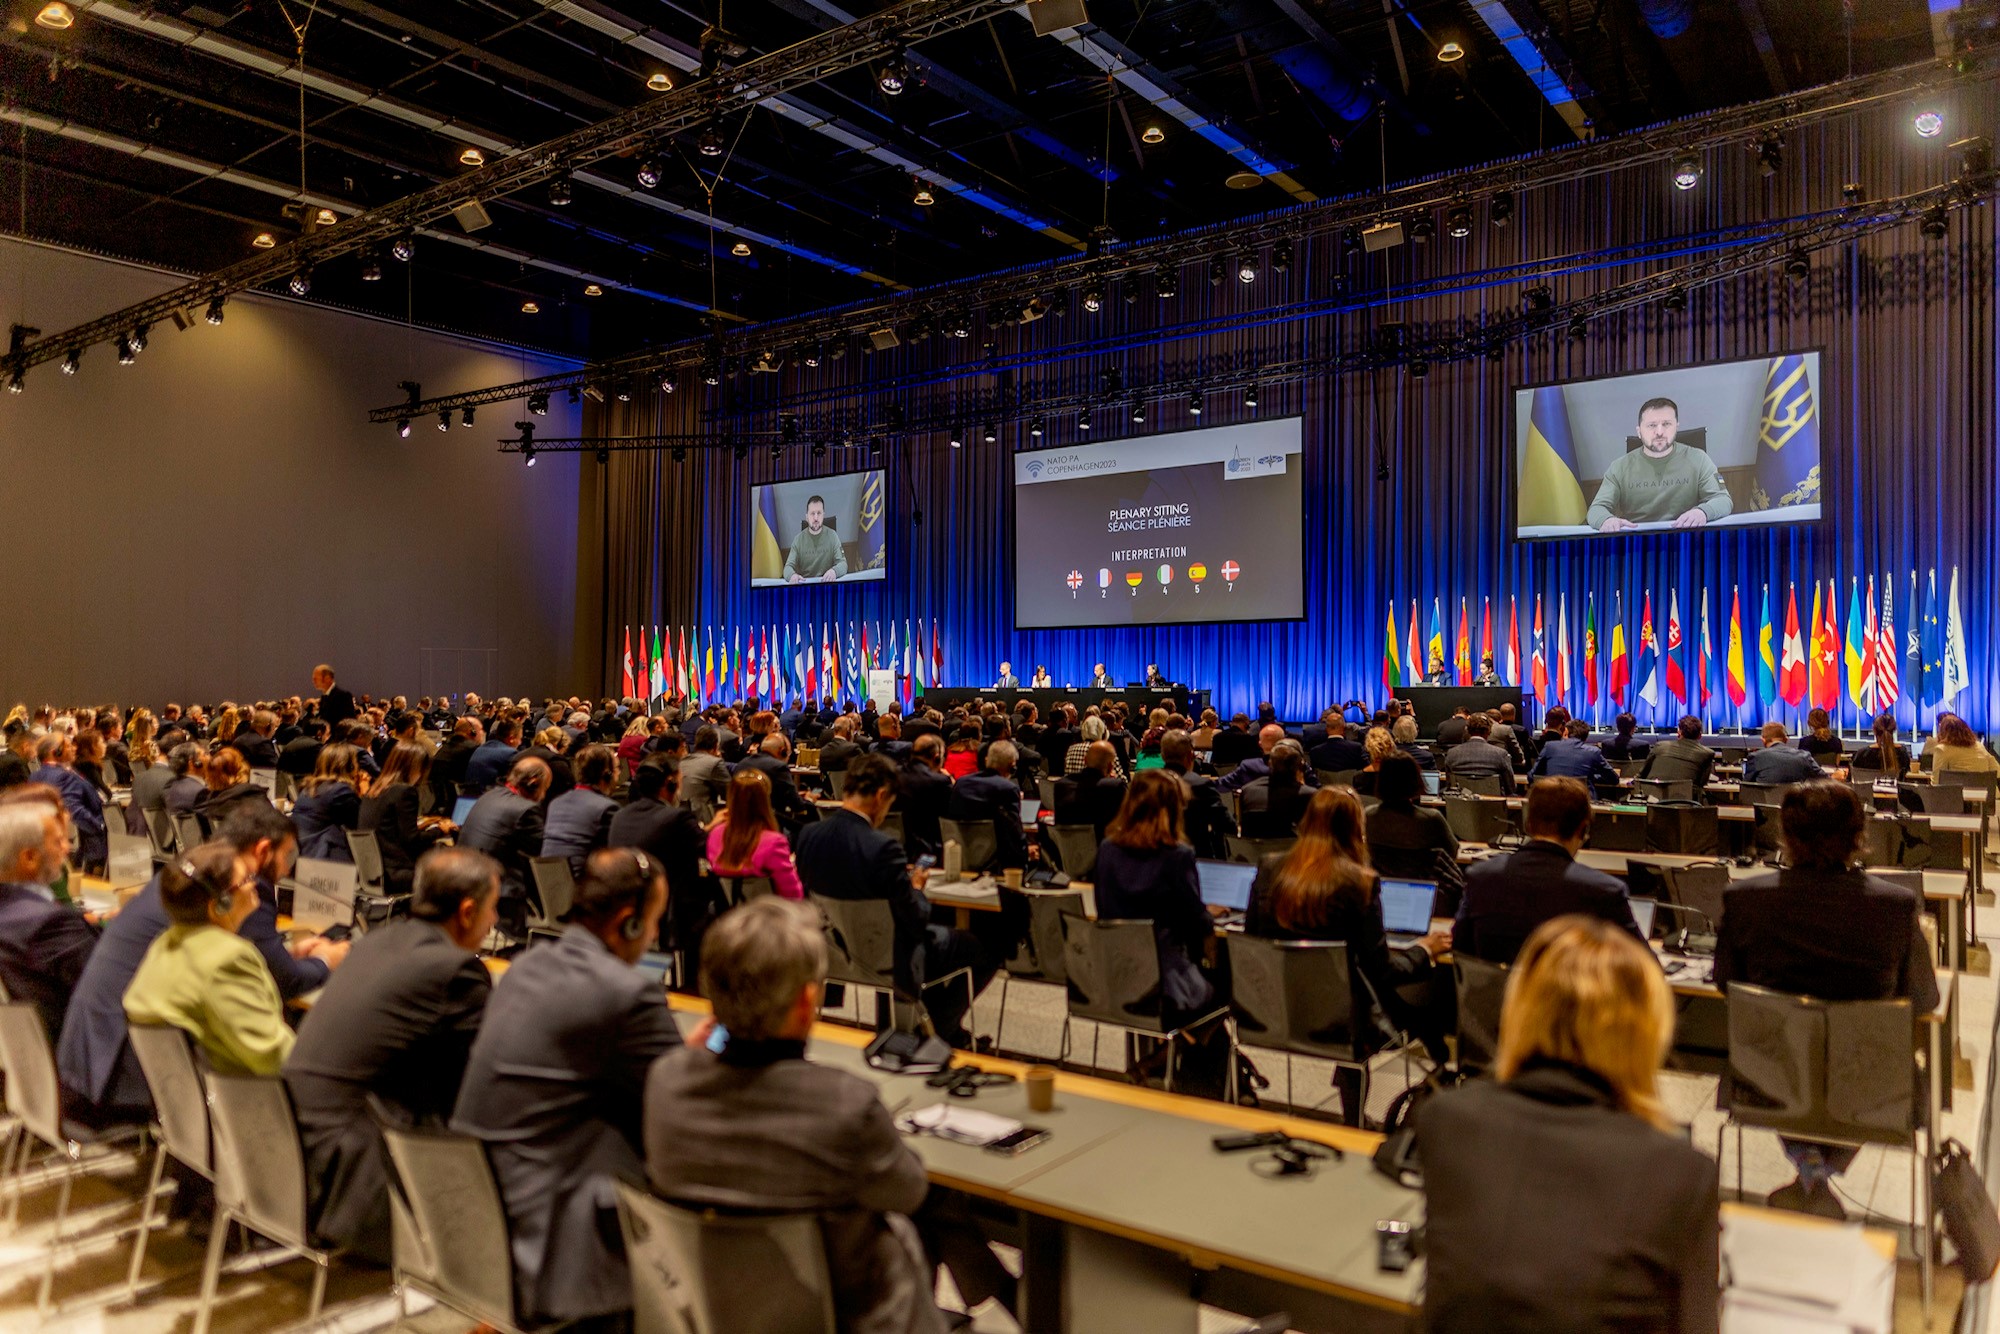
{"x":225,"y":898}
{"x":632,"y":927}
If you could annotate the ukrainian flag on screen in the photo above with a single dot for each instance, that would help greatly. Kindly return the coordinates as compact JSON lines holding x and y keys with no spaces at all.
{"x":1787,"y":438}
{"x":1551,"y":492}
{"x":767,"y":555}
{"x":871,"y":522}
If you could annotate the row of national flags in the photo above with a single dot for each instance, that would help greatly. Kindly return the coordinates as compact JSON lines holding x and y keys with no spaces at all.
{"x":778,"y":663}
{"x":1763,"y":655}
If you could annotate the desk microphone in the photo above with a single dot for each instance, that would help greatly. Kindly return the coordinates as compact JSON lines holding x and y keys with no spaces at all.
{"x":1690,"y":942}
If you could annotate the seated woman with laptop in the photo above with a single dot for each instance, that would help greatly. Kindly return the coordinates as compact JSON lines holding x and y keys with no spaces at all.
{"x":1323,"y":888}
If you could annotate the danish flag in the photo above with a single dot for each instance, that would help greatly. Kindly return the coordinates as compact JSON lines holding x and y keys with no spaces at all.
{"x":1230,"y":569}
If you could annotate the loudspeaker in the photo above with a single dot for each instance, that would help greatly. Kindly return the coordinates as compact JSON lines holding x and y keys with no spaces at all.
{"x":1054,"y":15}
{"x":472,"y":215}
{"x":883,"y":339}
{"x":1382,"y":236}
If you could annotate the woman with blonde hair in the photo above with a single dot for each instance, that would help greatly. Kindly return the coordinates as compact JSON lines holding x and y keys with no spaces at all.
{"x":1380,"y":744}
{"x":1560,"y":1195}
{"x":329,"y":803}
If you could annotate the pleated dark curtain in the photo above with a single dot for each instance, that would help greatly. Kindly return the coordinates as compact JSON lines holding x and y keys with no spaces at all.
{"x":1908,"y":438}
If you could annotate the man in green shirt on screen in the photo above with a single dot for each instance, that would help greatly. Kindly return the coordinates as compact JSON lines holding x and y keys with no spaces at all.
{"x":817,"y":554}
{"x":1661,"y":480}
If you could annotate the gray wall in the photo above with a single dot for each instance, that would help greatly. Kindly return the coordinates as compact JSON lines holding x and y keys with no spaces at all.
{"x":214,"y":519}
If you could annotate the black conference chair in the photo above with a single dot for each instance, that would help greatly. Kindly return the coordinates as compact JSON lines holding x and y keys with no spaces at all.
{"x":1114,"y":981}
{"x":1295,"y":997}
{"x":1040,"y":957}
{"x":1481,"y":988}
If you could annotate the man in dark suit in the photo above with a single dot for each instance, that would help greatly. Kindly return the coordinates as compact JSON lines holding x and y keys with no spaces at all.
{"x":267,"y":847}
{"x":1507,"y":736}
{"x":391,"y":1032}
{"x":1336,"y":754}
{"x":1681,"y":758}
{"x":555,"y":1083}
{"x":299,"y":756}
{"x":579,"y":820}
{"x":1574,"y":757}
{"x":1259,"y":765}
{"x":1272,"y":805}
{"x":836,"y":750}
{"x":1057,"y":738}
{"x":44,"y":945}
{"x":1094,"y":793}
{"x":1208,"y":820}
{"x":1234,"y":744}
{"x":1101,"y":679}
{"x":993,"y":796}
{"x":1477,"y":757}
{"x":846,"y":856}
{"x":254,"y":740}
{"x":1506,"y":898}
{"x":100,"y":1075}
{"x":925,"y":796}
{"x":486,"y":765}
{"x":774,"y":760}
{"x":1006,"y":680}
{"x":1823,"y":929}
{"x":507,"y":825}
{"x":1779,"y":761}
{"x":562,"y":775}
{"x":1452,"y":731}
{"x":655,"y":822}
{"x":452,"y":759}
{"x":889,"y":743}
{"x":336,"y":705}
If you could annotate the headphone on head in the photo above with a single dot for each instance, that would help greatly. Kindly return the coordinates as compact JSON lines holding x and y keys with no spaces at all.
{"x":225,"y":900}
{"x":632,"y":927}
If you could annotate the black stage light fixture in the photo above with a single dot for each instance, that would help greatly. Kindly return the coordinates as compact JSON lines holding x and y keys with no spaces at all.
{"x":371,"y":266}
{"x":444,"y":420}
{"x":1936,"y":222}
{"x":1579,"y":328}
{"x":819,"y":449}
{"x":1194,"y":404}
{"x":1853,"y":194}
{"x":896,"y":75}
{"x":1687,"y":171}
{"x":1246,"y":267}
{"x":139,"y":337}
{"x":1539,"y":299}
{"x":1250,"y":397}
{"x":1138,"y":410}
{"x":1167,"y":281}
{"x":623,"y":391}
{"x":1676,"y":300}
{"x":214,"y":315}
{"x":604,"y":456}
{"x":1083,"y":422}
{"x":72,"y":360}
{"x":1218,"y":269}
{"x":650,"y":172}
{"x":812,"y":354}
{"x":709,"y":142}
{"x":538,"y":403}
{"x":403,"y":427}
{"x":990,"y":434}
{"x":680,"y":454}
{"x":1770,"y":154}
{"x":1281,"y":255}
{"x":1500,"y":209}
{"x":465,"y":418}
{"x":777,"y":451}
{"x":559,"y":190}
{"x":957,"y":438}
{"x":711,"y":372}
{"x":1422,"y":229}
{"x":301,"y":281}
{"x":528,"y":455}
{"x":669,"y":381}
{"x":1798,"y":264}
{"x":17,"y":380}
{"x":1458,"y":221}
{"x":1109,"y":381}
{"x":1093,"y":299}
{"x":739,"y":451}
{"x":1035,"y":428}
{"x":1350,"y":240}
{"x":125,"y":354}
{"x":403,"y":248}
{"x":788,"y":429}
{"x":1419,"y":369}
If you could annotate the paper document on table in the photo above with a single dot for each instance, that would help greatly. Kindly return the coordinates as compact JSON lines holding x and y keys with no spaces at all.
{"x":963,"y":1124}
{"x":1741,"y":1317}
{"x":1829,"y":1275}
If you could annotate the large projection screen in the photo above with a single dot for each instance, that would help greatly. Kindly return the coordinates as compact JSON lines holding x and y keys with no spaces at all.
{"x":1182,"y":529}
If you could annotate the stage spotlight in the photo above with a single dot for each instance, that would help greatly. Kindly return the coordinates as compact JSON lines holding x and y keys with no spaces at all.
{"x":1109,"y":382}
{"x":16,"y":381}
{"x":1450,"y":53}
{"x":559,"y":194}
{"x":741,"y":250}
{"x":1936,"y":223}
{"x":531,"y":307}
{"x":709,"y":142}
{"x":214,"y":315}
{"x":896,"y":75}
{"x":659,"y":81}
{"x":1138,"y":411}
{"x":444,"y":420}
{"x":1687,"y":171}
{"x":956,"y":441}
{"x":1853,"y":194}
{"x":72,"y":360}
{"x":1770,"y":154}
{"x":680,"y":454}
{"x":777,"y":451}
{"x":1929,"y":124}
{"x":1281,"y":256}
{"x":650,"y":172}
{"x":371,"y":266}
{"x":990,"y":434}
{"x":1083,"y":422}
{"x":669,"y":381}
{"x":471,"y":157}
{"x":1035,"y":428}
{"x":811,"y":357}
{"x":623,"y":391}
{"x":403,"y":427}
{"x":1218,"y":269}
{"x":55,"y":15}
{"x":1153,"y":134}
{"x":1194,"y":404}
{"x":1419,"y":369}
{"x":1422,"y":229}
{"x":1350,"y":240}
{"x":711,"y":372}
{"x":1381,"y":470}
{"x":1500,"y":210}
{"x":1093,"y":300}
{"x":958,"y":325}
{"x":1250,"y":397}
{"x":1458,"y":222}
{"x":1246,"y":268}
{"x":465,"y":418}
{"x":263,"y":241}
{"x":1798,"y":264}
{"x":923,"y":198}
{"x":819,"y":449}
{"x":788,"y":429}
{"x":301,"y":282}
{"x":739,"y":451}
{"x":1167,"y":281}
{"x":1579,"y":328}
{"x":404,"y":247}
{"x":1539,"y":299}
{"x":604,"y":456}
{"x":1676,"y":300}
{"x":538,"y":403}
{"x":528,"y":455}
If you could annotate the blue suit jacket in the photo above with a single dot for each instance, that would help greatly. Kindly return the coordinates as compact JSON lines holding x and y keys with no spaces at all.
{"x":577,"y":824}
{"x":1506,"y":898}
{"x":1574,"y":759}
{"x":489,"y":765}
{"x":85,"y":807}
{"x":1780,"y":764}
{"x":295,"y":977}
{"x":43,"y":949}
{"x":93,"y":1058}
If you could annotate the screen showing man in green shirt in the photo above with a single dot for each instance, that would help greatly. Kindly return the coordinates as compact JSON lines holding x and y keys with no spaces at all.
{"x":817,"y":554}
{"x":1661,"y":481}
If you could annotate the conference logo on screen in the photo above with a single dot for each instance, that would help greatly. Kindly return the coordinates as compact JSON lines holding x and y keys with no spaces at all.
{"x":1034,"y":467}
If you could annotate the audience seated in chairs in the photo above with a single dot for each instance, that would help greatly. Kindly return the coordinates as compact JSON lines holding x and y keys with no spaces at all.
{"x":746,"y":841}
{"x":1399,"y":822}
{"x":56,"y":753}
{"x":1272,"y":803}
{"x":1094,"y":793}
{"x":1681,"y":758}
{"x":1558,"y":1194}
{"x":554,"y":1085}
{"x":1823,"y":928}
{"x":329,"y":804}
{"x":659,"y":826}
{"x":990,"y":794}
{"x":390,"y":812}
{"x":506,"y":824}
{"x":1506,"y":898}
{"x":1885,"y":756}
{"x":579,"y":820}
{"x":1572,"y":756}
{"x":1779,"y":761}
{"x":1208,"y":820}
{"x":1954,"y":747}
{"x":44,"y":945}
{"x":1380,"y":745}
{"x":925,"y":795}
{"x":1478,"y":757}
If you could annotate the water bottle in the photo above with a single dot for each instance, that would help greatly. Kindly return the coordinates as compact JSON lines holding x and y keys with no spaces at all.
{"x":954,"y":860}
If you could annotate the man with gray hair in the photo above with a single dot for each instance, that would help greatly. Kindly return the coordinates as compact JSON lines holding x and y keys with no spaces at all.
{"x":43,"y":944}
{"x":738,"y":1118}
{"x":992,"y":796}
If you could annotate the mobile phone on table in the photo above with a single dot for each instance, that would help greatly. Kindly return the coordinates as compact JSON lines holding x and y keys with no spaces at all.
{"x":1022,"y":1140}
{"x":1261,"y":1139}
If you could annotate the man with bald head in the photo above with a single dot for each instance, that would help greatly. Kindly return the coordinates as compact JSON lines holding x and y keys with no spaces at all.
{"x":507,"y":824}
{"x":773,"y":760}
{"x":1259,"y":765}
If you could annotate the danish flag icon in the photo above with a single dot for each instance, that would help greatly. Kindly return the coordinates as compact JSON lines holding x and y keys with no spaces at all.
{"x":1075,"y":581}
{"x":1230,"y":569}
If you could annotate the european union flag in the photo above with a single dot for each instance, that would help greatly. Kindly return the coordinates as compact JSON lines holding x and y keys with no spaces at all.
{"x":1787,"y":438}
{"x":871,"y":522}
{"x":767,"y":554}
{"x":1550,"y":492}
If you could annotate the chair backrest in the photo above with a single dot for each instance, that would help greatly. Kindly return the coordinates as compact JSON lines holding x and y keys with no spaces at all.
{"x":892,"y":825}
{"x":1044,"y":960}
{"x":1910,"y":880}
{"x":1685,"y":829}
{"x":187,"y":833}
{"x":367,"y":854}
{"x":1664,"y":789}
{"x":161,"y":826}
{"x":1925,"y":845}
{"x":446,"y":1197}
{"x":1475,"y":821}
{"x":32,"y":1091}
{"x":1250,"y":851}
{"x":1858,"y":775}
{"x":1967,"y":778}
{"x":1702,"y":888}
{"x":1938,"y":798}
{"x":1076,"y":846}
{"x":1047,"y":787}
{"x":1294,"y":996}
{"x":1113,"y":971}
{"x":555,"y":883}
{"x":1731,"y":754}
{"x":860,"y":941}
{"x":836,"y":783}
{"x":1841,"y":1071}
{"x":1884,"y":841}
{"x":131,"y":861}
{"x":706,"y":1272}
{"x":1481,"y":988}
{"x":979,"y":843}
{"x":179,"y":1100}
{"x":1761,"y":794}
{"x":1483,"y":785}
{"x":1618,"y":831}
{"x":741,"y":889}
{"x":260,"y":1171}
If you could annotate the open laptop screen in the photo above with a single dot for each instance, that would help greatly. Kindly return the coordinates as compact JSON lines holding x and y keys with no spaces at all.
{"x":1225,"y":884}
{"x":1030,"y":811}
{"x":1406,"y":905}
{"x":462,"y":809}
{"x":1433,"y":782}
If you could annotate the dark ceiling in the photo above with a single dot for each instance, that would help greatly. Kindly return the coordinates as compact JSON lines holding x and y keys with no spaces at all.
{"x":169,"y":132}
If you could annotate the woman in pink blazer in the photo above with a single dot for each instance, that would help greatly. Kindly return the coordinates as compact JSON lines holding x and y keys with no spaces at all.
{"x":746,"y":840}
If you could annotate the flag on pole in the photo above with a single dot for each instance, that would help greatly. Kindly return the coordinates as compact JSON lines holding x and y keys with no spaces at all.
{"x":1871,"y":689}
{"x":1735,"y":679}
{"x":1933,"y":647}
{"x":1826,"y":654}
{"x":1860,"y":681}
{"x":1819,"y":654}
{"x":1676,"y":677}
{"x":1888,"y":684}
{"x":1464,"y":655}
{"x":1621,"y":662}
{"x":919,"y":662}
{"x":937,"y":655}
{"x":1538,"y":663}
{"x":1392,"y":669}
{"x":1767,"y":654}
{"x":864,"y":644}
{"x":1591,"y":649}
{"x":1793,"y":675}
{"x":641,"y":676}
{"x":808,"y":664}
{"x":1957,"y":675}
{"x":1485,"y":632}
{"x":1704,"y":655}
{"x":913,"y":663}
{"x":1413,"y":664}
{"x":659,"y":673}
{"x":687,"y":658}
{"x":627,"y":692}
{"x":1647,"y":669}
{"x":1513,"y":640}
{"x":708,"y":668}
{"x":1434,"y":643}
{"x":1562,"y":681}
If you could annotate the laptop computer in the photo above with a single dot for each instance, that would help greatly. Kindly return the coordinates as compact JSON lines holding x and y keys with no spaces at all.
{"x":1642,"y":913}
{"x":1406,"y":907}
{"x":1433,"y":782}
{"x":1031,"y":811}
{"x":461,"y":809}
{"x":1226,"y":885}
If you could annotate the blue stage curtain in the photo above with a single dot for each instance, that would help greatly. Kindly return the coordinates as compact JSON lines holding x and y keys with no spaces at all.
{"x":1907,"y":429}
